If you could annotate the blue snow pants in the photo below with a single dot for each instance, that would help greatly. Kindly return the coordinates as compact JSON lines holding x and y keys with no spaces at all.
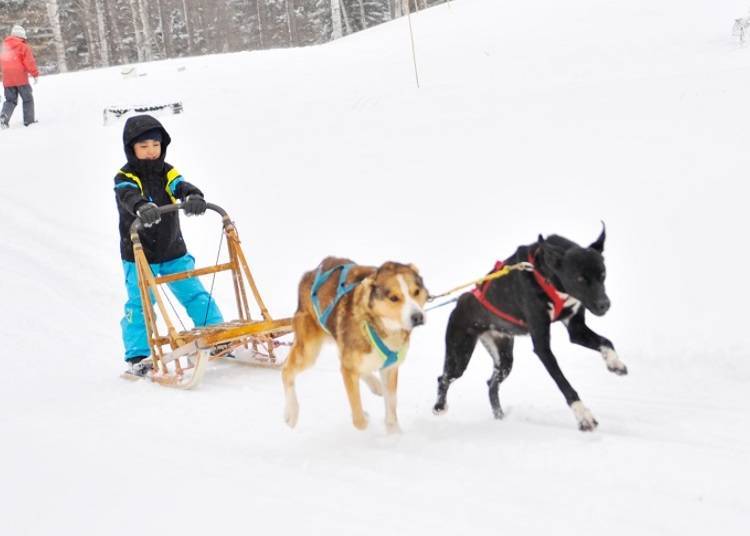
{"x":190,"y":293}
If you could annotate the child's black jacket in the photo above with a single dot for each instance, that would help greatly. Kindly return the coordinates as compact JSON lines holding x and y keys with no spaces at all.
{"x":140,"y":181}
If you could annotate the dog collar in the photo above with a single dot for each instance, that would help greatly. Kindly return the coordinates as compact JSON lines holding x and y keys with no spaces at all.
{"x":389,"y":357}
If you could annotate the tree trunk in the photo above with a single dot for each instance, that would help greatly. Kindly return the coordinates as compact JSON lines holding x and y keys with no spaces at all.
{"x":188,"y":25}
{"x":140,"y":49}
{"x":115,"y":32}
{"x":53,"y":13}
{"x":166,"y":29}
{"x":88,"y":31}
{"x":148,"y":35}
{"x":223,"y":29}
{"x":362,"y":17}
{"x":102,"y":27}
{"x":387,"y":13}
{"x":292,"y":22}
{"x":336,"y":31}
{"x":346,"y":16}
{"x":260,"y":23}
{"x":398,"y":8}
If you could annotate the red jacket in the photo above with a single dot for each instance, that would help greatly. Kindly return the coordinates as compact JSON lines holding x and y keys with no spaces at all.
{"x":17,"y":62}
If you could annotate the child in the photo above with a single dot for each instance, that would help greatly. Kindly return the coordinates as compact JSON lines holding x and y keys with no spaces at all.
{"x":143,"y":184}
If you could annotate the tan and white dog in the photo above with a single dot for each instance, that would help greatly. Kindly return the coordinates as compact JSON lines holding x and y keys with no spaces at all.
{"x":369,"y":313}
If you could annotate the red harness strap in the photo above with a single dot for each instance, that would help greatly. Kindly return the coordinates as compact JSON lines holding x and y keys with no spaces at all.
{"x":558,"y":303}
{"x":479,"y":294}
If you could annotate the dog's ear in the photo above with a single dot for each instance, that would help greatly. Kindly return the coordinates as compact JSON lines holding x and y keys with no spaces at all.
{"x":540,"y":238}
{"x":598,"y":244}
{"x":418,"y":277}
{"x":367,"y":286}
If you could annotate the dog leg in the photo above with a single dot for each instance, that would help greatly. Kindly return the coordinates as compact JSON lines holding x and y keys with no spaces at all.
{"x":459,"y":345}
{"x":308,"y":340}
{"x":540,"y":336}
{"x":351,"y":382}
{"x":389,"y":378}
{"x":373,"y":383}
{"x":582,"y":335}
{"x":500,"y":347}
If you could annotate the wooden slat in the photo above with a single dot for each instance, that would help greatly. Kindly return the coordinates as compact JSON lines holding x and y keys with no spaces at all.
{"x":253,"y":328}
{"x":193,"y":273}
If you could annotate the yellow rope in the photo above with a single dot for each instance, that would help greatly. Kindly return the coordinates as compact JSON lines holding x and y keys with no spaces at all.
{"x":505,"y":270}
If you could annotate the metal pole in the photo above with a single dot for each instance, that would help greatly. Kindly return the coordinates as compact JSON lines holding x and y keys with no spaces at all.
{"x":413,"y":49}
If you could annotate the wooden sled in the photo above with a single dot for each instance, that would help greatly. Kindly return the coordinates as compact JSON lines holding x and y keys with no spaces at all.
{"x":180,"y":358}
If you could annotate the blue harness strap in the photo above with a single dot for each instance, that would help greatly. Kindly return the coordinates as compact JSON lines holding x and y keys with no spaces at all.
{"x":342,"y":289}
{"x":389,"y":356}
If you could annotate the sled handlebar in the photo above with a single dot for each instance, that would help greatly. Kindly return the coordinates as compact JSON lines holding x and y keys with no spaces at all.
{"x":138,"y":226}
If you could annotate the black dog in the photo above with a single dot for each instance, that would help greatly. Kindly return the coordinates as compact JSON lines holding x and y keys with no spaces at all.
{"x":566,"y":276}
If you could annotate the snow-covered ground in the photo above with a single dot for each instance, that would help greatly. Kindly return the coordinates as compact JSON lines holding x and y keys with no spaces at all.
{"x":533,"y":117}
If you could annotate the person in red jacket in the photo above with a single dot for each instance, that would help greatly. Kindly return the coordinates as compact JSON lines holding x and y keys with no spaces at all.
{"x":17,"y":63}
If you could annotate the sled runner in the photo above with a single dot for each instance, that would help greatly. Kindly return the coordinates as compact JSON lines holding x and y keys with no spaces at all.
{"x":180,"y":357}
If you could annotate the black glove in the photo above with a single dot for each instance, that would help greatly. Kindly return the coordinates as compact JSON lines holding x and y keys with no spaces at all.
{"x":149,"y":214}
{"x":194,"y":205}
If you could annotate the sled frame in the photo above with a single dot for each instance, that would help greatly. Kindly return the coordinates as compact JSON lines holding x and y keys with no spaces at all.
{"x":180,"y":357}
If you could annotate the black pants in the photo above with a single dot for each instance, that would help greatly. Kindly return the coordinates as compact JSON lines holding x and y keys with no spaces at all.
{"x":11,"y":99}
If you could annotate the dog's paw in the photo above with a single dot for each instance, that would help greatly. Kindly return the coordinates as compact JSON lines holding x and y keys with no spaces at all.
{"x":586,"y":421}
{"x":291,"y":414}
{"x":440,"y":409}
{"x":613,"y":362}
{"x":360,"y":422}
{"x":392,"y":428}
{"x":498,"y":413}
{"x":290,"y":417}
{"x":619,"y":369}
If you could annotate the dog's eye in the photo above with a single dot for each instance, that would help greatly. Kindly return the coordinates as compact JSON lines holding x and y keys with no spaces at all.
{"x":582,"y":279}
{"x":394,"y":298}
{"x":416,"y":292}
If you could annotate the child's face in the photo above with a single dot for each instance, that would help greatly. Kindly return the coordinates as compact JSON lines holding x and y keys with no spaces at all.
{"x":147,"y":150}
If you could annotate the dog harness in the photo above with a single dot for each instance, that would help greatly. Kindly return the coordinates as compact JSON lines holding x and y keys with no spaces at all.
{"x":342,"y":289}
{"x":558,"y":302}
{"x":389,"y":357}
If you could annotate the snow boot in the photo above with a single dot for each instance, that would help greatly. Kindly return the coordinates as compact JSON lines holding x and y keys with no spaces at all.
{"x":139,"y":366}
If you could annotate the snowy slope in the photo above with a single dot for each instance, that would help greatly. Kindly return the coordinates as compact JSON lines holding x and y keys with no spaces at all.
{"x":533,"y":117}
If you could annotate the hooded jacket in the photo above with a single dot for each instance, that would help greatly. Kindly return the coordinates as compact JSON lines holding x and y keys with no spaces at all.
{"x":17,"y":62}
{"x":142,"y":181}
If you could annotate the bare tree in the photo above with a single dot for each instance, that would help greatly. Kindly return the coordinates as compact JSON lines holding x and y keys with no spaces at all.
{"x":103,"y":45}
{"x":362,"y":16}
{"x":345,"y":16}
{"x":166,"y":29}
{"x":115,"y":34}
{"x":148,"y":35}
{"x":336,"y":19}
{"x":397,"y":8}
{"x":186,"y":6}
{"x":260,"y":23}
{"x":137,"y":30}
{"x":292,"y":22}
{"x":53,"y":13}
{"x":84,"y":8}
